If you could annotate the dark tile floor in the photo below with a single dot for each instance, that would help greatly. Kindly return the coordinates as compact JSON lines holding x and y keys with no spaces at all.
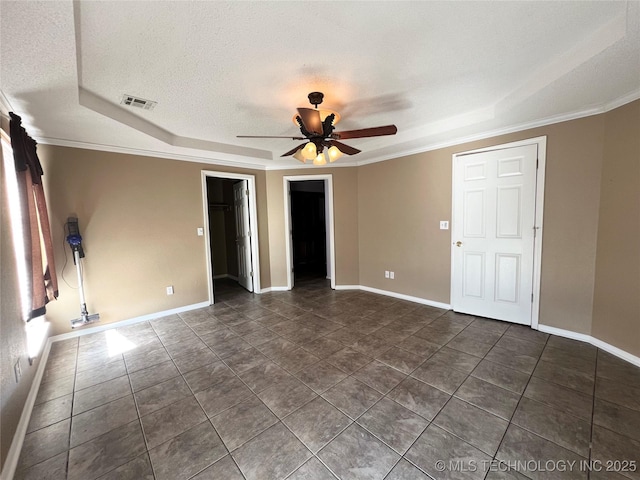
{"x":319,"y":384}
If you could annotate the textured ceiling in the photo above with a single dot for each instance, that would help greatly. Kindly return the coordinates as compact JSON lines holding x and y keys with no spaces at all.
{"x":441,"y":71}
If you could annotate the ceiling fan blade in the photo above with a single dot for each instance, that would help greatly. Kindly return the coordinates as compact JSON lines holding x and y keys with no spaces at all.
{"x":311,"y":120}
{"x":366,"y":132}
{"x":293,"y":150}
{"x":343,"y":148}
{"x":270,"y":136}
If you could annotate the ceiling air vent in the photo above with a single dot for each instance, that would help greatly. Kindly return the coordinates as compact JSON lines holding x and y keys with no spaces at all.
{"x":138,"y":102}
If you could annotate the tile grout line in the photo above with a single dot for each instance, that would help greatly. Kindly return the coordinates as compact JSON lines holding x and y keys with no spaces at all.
{"x":209,"y":419}
{"x":73,"y":401}
{"x":462,"y":383}
{"x":593,"y":412}
{"x":280,"y":420}
{"x":518,"y":404}
{"x":354,"y":421}
{"x":135,"y":402}
{"x":182,"y":374}
{"x":504,"y":333}
{"x":379,"y":324}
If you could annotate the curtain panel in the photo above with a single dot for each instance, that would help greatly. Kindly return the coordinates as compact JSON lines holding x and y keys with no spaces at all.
{"x":43,"y":282}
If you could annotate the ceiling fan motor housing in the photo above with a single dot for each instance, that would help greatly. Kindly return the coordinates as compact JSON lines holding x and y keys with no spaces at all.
{"x":315,"y":98}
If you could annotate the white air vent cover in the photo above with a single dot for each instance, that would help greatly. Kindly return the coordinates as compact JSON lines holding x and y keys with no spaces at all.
{"x":138,"y":102}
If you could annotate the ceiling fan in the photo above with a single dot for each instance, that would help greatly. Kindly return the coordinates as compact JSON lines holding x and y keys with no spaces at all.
{"x":317,"y":128}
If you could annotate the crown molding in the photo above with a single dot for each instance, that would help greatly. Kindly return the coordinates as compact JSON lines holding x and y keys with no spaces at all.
{"x":59,"y":142}
{"x":604,"y":108}
{"x":258,"y":164}
{"x":620,"y":101}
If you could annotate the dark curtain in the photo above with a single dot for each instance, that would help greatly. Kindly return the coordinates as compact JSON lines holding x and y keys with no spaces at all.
{"x":37,"y":232}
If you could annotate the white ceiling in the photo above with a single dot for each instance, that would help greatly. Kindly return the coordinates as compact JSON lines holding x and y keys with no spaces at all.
{"x":442,"y":72}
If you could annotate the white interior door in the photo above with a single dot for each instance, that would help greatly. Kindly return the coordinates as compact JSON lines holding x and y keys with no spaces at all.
{"x":243,"y":234}
{"x":493,"y":233}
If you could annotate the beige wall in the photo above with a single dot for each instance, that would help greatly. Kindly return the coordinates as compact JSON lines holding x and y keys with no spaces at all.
{"x":13,"y":341}
{"x":616,"y":305}
{"x":386,"y":218}
{"x":345,"y":199}
{"x":404,"y":199}
{"x":401,"y":203}
{"x":138,"y":217}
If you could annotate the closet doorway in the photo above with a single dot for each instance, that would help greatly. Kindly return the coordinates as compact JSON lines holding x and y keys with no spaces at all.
{"x":230,"y":233}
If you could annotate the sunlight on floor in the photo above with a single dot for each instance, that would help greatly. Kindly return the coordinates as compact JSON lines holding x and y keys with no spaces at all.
{"x":117,"y":343}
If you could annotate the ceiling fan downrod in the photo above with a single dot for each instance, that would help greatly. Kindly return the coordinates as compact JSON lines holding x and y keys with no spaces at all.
{"x":315,"y":98}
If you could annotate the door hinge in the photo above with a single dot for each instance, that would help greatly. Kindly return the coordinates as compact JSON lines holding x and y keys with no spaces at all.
{"x":531,"y":297}
{"x":251,"y":274}
{"x":534,"y":231}
{"x":537,"y":162}
{"x":247,"y":192}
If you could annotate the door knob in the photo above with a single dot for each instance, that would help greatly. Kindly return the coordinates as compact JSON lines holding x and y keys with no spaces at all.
{"x":458,"y":243}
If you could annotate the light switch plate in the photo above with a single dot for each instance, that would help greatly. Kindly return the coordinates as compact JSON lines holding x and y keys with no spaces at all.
{"x":444,"y":225}
{"x":200,"y":231}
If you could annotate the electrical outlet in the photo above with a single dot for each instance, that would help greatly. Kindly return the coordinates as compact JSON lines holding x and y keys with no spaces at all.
{"x":392,"y":275}
{"x":200,"y":231}
{"x":444,"y":225}
{"x":17,"y":369}
{"x":170,"y":290}
{"x":386,"y":274}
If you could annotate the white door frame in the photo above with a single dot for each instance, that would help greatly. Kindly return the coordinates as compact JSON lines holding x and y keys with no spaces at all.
{"x":541,"y":143}
{"x":328,"y":192}
{"x":253,"y":222}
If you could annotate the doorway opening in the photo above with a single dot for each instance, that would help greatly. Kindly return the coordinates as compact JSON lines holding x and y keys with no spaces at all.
{"x":231,"y":238}
{"x":309,"y":229}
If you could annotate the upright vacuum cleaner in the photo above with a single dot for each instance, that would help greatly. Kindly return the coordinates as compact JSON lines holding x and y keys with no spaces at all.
{"x":74,"y":239}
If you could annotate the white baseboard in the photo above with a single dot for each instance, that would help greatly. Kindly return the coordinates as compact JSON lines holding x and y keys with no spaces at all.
{"x":422,"y":301}
{"x":618,"y":352}
{"x":124,"y":323}
{"x":274,"y":289}
{"x":402,"y":296}
{"x":11,"y":462}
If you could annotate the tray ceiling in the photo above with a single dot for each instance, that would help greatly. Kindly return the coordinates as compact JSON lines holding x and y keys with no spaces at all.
{"x":441,"y":71}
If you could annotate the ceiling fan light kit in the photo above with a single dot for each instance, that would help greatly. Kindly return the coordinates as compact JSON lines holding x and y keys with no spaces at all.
{"x":317,"y":127}
{"x":320,"y":159}
{"x":334,"y":154}
{"x":309,"y":151}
